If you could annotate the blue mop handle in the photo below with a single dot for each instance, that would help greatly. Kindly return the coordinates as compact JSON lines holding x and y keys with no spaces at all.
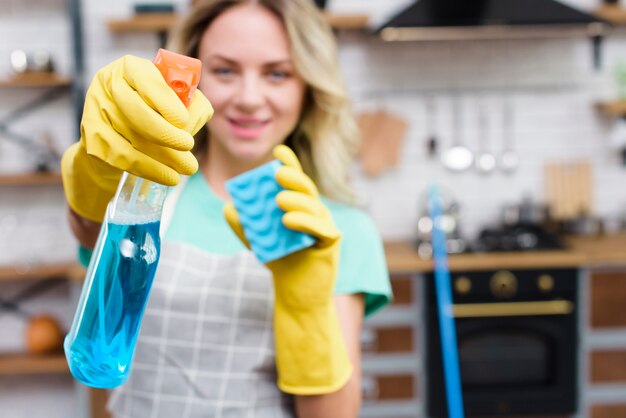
{"x":452,"y":373}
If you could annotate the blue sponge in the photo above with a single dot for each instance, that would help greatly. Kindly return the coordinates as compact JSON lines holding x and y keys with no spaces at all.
{"x":254,"y":196}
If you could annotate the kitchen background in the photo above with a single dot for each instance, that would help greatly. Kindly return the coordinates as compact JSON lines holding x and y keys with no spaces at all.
{"x":550,"y":84}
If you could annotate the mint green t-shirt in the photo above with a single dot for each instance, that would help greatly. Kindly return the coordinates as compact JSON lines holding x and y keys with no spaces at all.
{"x":198,"y":220}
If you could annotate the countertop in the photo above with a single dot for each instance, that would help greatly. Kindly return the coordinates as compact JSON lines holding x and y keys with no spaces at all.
{"x":605,"y":250}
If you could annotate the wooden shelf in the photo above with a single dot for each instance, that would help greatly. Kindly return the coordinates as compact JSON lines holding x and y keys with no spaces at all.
{"x":149,"y":22}
{"x":348,"y":22}
{"x":23,"y":364}
{"x":30,"y":179}
{"x":50,"y":271}
{"x":402,"y":258}
{"x":491,"y":32}
{"x":36,"y":80}
{"x":581,"y":251}
{"x":614,"y":108}
{"x":163,"y":22}
{"x":612,"y":13}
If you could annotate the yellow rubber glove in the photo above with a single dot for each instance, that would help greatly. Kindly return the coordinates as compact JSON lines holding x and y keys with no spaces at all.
{"x":311,"y":356}
{"x":132,"y":121}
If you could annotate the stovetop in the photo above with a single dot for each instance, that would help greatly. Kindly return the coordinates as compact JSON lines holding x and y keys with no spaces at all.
{"x":521,"y":237}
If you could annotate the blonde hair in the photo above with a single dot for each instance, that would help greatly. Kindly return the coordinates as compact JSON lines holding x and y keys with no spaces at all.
{"x":327,"y":137}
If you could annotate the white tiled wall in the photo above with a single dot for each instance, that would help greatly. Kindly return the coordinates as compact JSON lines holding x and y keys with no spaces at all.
{"x":551,"y":84}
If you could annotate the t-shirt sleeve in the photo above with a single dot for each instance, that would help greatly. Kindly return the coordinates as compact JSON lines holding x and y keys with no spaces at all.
{"x":362,"y":264}
{"x":84,"y":255}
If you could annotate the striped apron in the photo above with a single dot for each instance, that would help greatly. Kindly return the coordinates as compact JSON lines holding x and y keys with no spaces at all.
{"x":206,"y":345}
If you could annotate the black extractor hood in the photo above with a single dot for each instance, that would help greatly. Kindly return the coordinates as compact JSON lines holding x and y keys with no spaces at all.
{"x":483,"y":19}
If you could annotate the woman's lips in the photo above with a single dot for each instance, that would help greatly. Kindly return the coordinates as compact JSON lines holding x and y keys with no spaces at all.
{"x":247,"y":128}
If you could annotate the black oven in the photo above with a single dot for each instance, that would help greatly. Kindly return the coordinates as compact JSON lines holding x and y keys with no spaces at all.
{"x":517,"y":340}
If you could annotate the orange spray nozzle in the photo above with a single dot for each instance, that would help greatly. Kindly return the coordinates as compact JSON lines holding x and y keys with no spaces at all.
{"x":181,"y":73}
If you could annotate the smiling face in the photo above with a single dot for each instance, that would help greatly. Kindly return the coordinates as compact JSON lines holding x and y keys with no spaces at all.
{"x":250,"y":79}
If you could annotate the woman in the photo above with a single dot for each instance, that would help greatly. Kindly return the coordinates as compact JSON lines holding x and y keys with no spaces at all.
{"x":223,"y":335}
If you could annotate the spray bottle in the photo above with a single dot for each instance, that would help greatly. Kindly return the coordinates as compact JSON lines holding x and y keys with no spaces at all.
{"x":101,"y":342}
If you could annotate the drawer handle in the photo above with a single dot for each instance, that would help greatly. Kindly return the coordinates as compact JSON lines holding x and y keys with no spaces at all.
{"x":369,"y":339}
{"x":369,"y":388}
{"x":474,"y":310}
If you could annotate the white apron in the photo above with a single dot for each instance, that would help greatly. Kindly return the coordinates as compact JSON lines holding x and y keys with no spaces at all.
{"x":206,"y":344}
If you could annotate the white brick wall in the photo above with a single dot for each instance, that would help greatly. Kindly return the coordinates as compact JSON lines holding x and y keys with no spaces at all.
{"x":550,"y":123}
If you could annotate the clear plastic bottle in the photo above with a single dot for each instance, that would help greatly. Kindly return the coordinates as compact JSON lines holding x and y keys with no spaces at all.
{"x":101,"y":341}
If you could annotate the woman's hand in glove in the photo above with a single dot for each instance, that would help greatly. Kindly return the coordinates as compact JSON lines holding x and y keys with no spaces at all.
{"x":132,"y":121}
{"x":311,"y":356}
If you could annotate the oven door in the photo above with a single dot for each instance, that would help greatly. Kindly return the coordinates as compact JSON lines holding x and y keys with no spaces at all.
{"x":517,"y":364}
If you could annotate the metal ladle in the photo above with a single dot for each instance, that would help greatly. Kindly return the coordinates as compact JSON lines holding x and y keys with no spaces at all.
{"x":458,"y":157}
{"x":509,"y":159}
{"x":485,"y":160}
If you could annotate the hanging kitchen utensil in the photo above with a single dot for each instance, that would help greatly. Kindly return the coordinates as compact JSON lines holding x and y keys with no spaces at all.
{"x":509,"y":159}
{"x":432,"y":145}
{"x":568,"y":188}
{"x":443,"y":287}
{"x":458,"y":157}
{"x":485,"y":160}
{"x":383,"y":135}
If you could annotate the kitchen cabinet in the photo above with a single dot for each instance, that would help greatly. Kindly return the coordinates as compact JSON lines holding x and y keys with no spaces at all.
{"x":606,"y":355}
{"x":608,"y":298}
{"x":391,"y":349}
{"x":608,"y":411}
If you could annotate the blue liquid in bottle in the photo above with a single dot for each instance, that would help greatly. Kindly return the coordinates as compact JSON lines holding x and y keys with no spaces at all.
{"x":101,"y":344}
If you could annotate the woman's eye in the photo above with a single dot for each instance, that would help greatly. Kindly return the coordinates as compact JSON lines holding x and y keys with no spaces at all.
{"x":222,"y":71}
{"x":278,"y":75}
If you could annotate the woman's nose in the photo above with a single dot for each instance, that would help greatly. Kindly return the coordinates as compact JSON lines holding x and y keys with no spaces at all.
{"x":250,"y":94}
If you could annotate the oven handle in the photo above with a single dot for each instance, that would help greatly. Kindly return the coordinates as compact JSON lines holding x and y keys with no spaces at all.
{"x":475,"y":310}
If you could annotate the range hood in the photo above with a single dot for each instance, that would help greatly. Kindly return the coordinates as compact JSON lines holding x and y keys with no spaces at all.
{"x":489,"y":19}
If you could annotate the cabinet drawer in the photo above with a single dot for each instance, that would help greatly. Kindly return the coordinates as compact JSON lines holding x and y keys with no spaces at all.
{"x":608,"y":411}
{"x":608,"y":366}
{"x":608,"y":293}
{"x":388,"y":387}
{"x":402,"y":286}
{"x":387,"y":339}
